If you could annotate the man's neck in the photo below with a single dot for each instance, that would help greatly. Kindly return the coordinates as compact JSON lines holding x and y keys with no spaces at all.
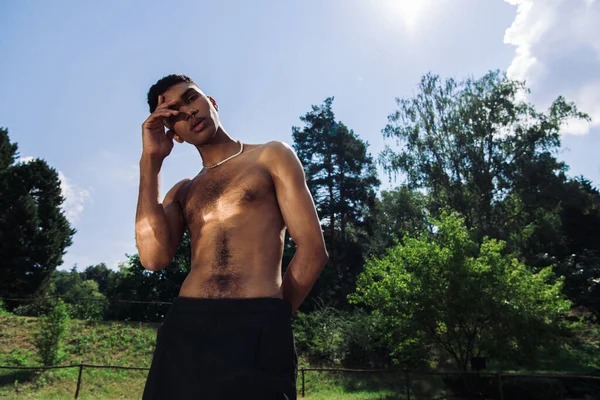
{"x":218,"y":149}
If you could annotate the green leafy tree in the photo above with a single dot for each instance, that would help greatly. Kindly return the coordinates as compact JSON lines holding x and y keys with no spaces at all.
{"x":467,"y":299}
{"x":342,"y":178}
{"x":82,"y":297}
{"x":53,"y":326}
{"x":103,"y":276}
{"x":398,"y":211}
{"x":474,"y":146}
{"x":34,"y":231}
{"x":138,"y":284}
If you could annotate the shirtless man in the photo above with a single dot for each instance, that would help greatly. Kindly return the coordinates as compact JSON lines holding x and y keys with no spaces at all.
{"x":228,"y":334}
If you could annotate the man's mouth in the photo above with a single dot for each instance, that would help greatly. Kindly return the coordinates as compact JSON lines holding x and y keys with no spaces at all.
{"x":198,"y":124}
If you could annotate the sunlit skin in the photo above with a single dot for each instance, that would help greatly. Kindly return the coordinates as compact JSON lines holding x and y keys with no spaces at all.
{"x":236,"y":213}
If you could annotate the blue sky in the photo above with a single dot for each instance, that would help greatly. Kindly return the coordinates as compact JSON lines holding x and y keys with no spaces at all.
{"x":75,"y":74}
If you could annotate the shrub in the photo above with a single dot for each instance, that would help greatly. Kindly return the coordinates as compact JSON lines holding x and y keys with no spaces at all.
{"x":355,"y":338}
{"x":366,"y":341}
{"x":320,"y":334}
{"x":3,"y":311}
{"x":38,"y":307}
{"x":52,"y":329}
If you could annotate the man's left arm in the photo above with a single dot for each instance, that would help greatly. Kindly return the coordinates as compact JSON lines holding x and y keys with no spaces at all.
{"x":301,"y":219}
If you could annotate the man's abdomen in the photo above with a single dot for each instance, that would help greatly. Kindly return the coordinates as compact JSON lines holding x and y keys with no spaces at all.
{"x":234,"y":262}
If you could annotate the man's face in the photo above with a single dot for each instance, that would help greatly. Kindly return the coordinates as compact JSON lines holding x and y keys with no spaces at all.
{"x":197,"y":121}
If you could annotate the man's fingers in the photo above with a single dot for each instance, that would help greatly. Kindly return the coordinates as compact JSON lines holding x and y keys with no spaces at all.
{"x":170,"y":134}
{"x":159,"y":115}
{"x":166,"y":104}
{"x":163,"y":113}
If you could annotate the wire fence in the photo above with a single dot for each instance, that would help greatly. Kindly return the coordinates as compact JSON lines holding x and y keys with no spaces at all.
{"x":481,"y":385}
{"x":410,"y":392}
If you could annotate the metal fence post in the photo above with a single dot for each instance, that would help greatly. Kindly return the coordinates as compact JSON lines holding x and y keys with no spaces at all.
{"x":500,"y":386}
{"x":79,"y":381}
{"x":407,"y":376}
{"x":302,"y":381}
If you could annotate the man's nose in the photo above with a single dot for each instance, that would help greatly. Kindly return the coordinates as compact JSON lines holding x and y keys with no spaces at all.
{"x":188,"y":111}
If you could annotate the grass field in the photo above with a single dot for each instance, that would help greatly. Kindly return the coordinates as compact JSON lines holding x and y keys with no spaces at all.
{"x":132,"y":344}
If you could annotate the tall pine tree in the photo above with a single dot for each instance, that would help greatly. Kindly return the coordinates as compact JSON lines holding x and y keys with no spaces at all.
{"x":342,"y":178}
{"x":34,"y":231}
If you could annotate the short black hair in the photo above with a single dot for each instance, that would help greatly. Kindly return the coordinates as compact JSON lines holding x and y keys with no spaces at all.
{"x":162,"y":85}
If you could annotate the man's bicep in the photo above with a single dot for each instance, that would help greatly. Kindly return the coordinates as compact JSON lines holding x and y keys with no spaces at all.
{"x":174,"y":213}
{"x":294,"y":198}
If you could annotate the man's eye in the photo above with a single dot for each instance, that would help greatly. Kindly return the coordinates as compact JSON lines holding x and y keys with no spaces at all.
{"x":192,"y":98}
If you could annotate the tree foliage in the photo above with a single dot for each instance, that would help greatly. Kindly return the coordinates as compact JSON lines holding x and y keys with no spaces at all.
{"x":53,"y":326}
{"x":138,"y":284}
{"x":34,"y":231}
{"x":82,"y":297}
{"x":397,"y":212}
{"x":468,"y":299}
{"x":474,"y":146}
{"x":342,"y":178}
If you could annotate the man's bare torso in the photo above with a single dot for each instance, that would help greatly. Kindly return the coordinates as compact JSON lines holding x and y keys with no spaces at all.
{"x":236,"y":229}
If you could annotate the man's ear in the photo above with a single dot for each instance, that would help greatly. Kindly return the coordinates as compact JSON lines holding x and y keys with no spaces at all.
{"x":214,"y":103}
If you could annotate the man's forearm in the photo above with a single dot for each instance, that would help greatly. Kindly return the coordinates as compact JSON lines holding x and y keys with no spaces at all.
{"x":151,"y":226}
{"x":301,"y":275}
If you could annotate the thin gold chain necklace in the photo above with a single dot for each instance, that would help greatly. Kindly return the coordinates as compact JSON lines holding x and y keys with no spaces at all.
{"x":228,"y":158}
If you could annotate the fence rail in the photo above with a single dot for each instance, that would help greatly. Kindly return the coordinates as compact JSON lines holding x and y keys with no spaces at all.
{"x":406,"y":372}
{"x":81,"y":366}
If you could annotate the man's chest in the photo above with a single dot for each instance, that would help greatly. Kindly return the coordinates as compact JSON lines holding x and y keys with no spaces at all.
{"x":225,"y":193}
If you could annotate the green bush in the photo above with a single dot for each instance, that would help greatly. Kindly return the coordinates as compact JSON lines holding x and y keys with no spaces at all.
{"x":3,"y":311}
{"x":85,"y":301}
{"x":320,"y":334}
{"x":52,"y":329}
{"x":366,"y":340}
{"x":355,"y":338}
{"x":38,"y":307}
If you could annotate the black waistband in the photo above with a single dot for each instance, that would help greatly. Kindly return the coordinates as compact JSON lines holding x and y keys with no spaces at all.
{"x":191,"y":305}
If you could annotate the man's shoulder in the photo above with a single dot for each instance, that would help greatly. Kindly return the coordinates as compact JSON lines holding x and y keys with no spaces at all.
{"x":276,"y":151}
{"x":280,"y":158}
{"x":180,"y":189}
{"x":278,"y":145}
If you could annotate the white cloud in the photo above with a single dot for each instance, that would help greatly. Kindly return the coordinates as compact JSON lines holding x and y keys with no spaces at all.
{"x":25,"y":160}
{"x":75,"y":197}
{"x":558,"y":53}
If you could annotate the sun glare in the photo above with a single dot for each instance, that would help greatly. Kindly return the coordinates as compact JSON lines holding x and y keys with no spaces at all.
{"x":409,"y":12}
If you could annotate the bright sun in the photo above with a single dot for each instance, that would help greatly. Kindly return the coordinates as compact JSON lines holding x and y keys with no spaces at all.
{"x":410,"y":12}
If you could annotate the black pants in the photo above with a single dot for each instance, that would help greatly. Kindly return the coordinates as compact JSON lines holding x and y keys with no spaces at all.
{"x":224,"y":349}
